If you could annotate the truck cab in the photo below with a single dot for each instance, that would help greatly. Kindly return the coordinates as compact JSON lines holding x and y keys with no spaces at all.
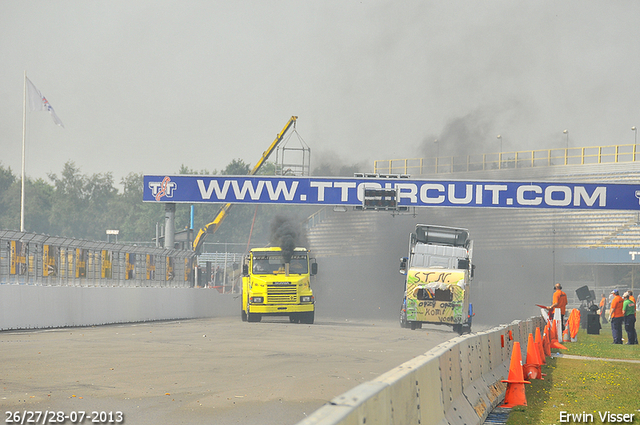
{"x":277,"y":283}
{"x":438,"y":273}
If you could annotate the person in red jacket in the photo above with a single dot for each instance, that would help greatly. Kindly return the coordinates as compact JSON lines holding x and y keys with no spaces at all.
{"x":617,"y":317}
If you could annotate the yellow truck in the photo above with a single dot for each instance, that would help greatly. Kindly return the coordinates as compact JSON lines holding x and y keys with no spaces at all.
{"x":438,"y":273}
{"x":278,"y":283}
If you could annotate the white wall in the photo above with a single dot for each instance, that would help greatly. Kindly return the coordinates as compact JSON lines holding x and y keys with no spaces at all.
{"x":28,"y":307}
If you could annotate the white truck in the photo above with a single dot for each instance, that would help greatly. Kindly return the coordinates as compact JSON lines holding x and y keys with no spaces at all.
{"x":438,"y":273}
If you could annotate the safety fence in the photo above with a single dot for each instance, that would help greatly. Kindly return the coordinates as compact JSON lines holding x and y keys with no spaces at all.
{"x":457,"y":382}
{"x":220,"y":270}
{"x":510,"y":160}
{"x":35,"y":259}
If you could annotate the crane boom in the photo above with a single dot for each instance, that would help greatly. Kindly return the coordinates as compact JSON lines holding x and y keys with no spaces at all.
{"x":212,"y":227}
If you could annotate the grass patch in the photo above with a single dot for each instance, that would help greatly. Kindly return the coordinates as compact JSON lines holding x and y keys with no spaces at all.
{"x":601,"y":346}
{"x":584,"y":386}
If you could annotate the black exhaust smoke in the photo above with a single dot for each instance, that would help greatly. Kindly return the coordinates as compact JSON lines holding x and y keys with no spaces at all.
{"x":287,"y":234}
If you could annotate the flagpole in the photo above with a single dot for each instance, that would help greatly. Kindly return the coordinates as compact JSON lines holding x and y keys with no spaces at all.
{"x":24,"y":132}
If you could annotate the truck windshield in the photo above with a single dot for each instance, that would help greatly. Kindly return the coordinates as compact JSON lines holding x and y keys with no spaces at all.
{"x":272,"y":262}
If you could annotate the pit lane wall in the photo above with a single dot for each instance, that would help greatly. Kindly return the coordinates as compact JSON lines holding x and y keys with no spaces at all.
{"x":457,"y":382}
{"x":37,"y":307}
{"x":50,"y":282}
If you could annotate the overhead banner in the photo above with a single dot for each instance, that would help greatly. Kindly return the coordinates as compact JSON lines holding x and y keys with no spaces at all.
{"x":410,"y":192}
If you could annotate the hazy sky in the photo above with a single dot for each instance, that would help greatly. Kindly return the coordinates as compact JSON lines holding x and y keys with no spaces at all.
{"x":145,"y":86}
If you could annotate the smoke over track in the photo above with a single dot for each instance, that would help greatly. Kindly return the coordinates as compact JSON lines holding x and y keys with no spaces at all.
{"x":508,"y":281}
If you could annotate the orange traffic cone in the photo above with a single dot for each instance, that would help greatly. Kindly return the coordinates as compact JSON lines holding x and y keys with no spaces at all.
{"x":538,"y":342}
{"x":531,"y":369}
{"x":515,"y":394}
{"x":554,"y":338}
{"x":546,"y":341}
{"x":553,"y":331}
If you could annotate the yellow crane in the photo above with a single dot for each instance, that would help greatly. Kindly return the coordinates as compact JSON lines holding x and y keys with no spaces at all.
{"x":212,"y":227}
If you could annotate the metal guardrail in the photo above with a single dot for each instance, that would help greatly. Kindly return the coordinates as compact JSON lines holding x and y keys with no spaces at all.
{"x":510,"y":160}
{"x":35,"y":259}
{"x":315,"y":219}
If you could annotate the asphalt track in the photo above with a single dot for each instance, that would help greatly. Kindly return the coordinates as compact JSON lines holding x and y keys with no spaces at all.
{"x":206,"y":371}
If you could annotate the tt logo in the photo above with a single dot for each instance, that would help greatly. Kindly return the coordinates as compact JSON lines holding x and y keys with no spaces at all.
{"x":163,"y":188}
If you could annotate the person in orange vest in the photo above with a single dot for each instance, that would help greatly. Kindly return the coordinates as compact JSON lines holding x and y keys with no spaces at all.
{"x":629,"y":309}
{"x":617,"y":317}
{"x":603,"y":309}
{"x":559,"y":301}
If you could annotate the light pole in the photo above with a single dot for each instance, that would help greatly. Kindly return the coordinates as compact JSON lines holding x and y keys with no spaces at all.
{"x":566,"y":151}
{"x":635,"y":141}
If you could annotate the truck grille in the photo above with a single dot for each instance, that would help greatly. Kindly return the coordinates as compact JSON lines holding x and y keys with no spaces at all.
{"x":282,"y":294}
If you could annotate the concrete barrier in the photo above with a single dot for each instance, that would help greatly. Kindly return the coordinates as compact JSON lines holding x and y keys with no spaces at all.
{"x":29,"y":307}
{"x":456,"y":382}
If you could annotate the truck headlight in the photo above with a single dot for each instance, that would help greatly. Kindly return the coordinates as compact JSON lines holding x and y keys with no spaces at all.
{"x":306,"y":298}
{"x":256,"y":300}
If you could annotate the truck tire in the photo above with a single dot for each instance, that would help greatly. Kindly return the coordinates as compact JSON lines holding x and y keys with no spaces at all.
{"x":462,"y":329}
{"x":403,"y":319}
{"x":253,"y":317}
{"x":307,"y":317}
{"x":243,"y":314}
{"x":415,"y":325}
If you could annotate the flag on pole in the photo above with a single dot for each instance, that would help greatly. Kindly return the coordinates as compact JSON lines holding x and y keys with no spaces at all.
{"x":37,"y":102}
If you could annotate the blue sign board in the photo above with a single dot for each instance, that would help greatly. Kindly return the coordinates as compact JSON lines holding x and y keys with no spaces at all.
{"x":410,"y":192}
{"x":598,"y":255}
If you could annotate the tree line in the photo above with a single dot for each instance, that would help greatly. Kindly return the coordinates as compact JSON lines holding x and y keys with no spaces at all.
{"x":84,"y":206}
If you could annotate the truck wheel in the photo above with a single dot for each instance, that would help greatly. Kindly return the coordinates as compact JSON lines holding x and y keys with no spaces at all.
{"x":307,"y":317}
{"x":293,"y":318}
{"x":253,"y":317}
{"x":243,"y":314}
{"x":465,"y":328}
{"x":415,"y":325}
{"x":403,"y":320}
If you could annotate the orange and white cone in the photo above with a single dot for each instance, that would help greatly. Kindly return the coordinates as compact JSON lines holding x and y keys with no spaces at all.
{"x":531,"y":369}
{"x":546,"y":341}
{"x":538,"y":342}
{"x":554,"y":339}
{"x":515,"y":394}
